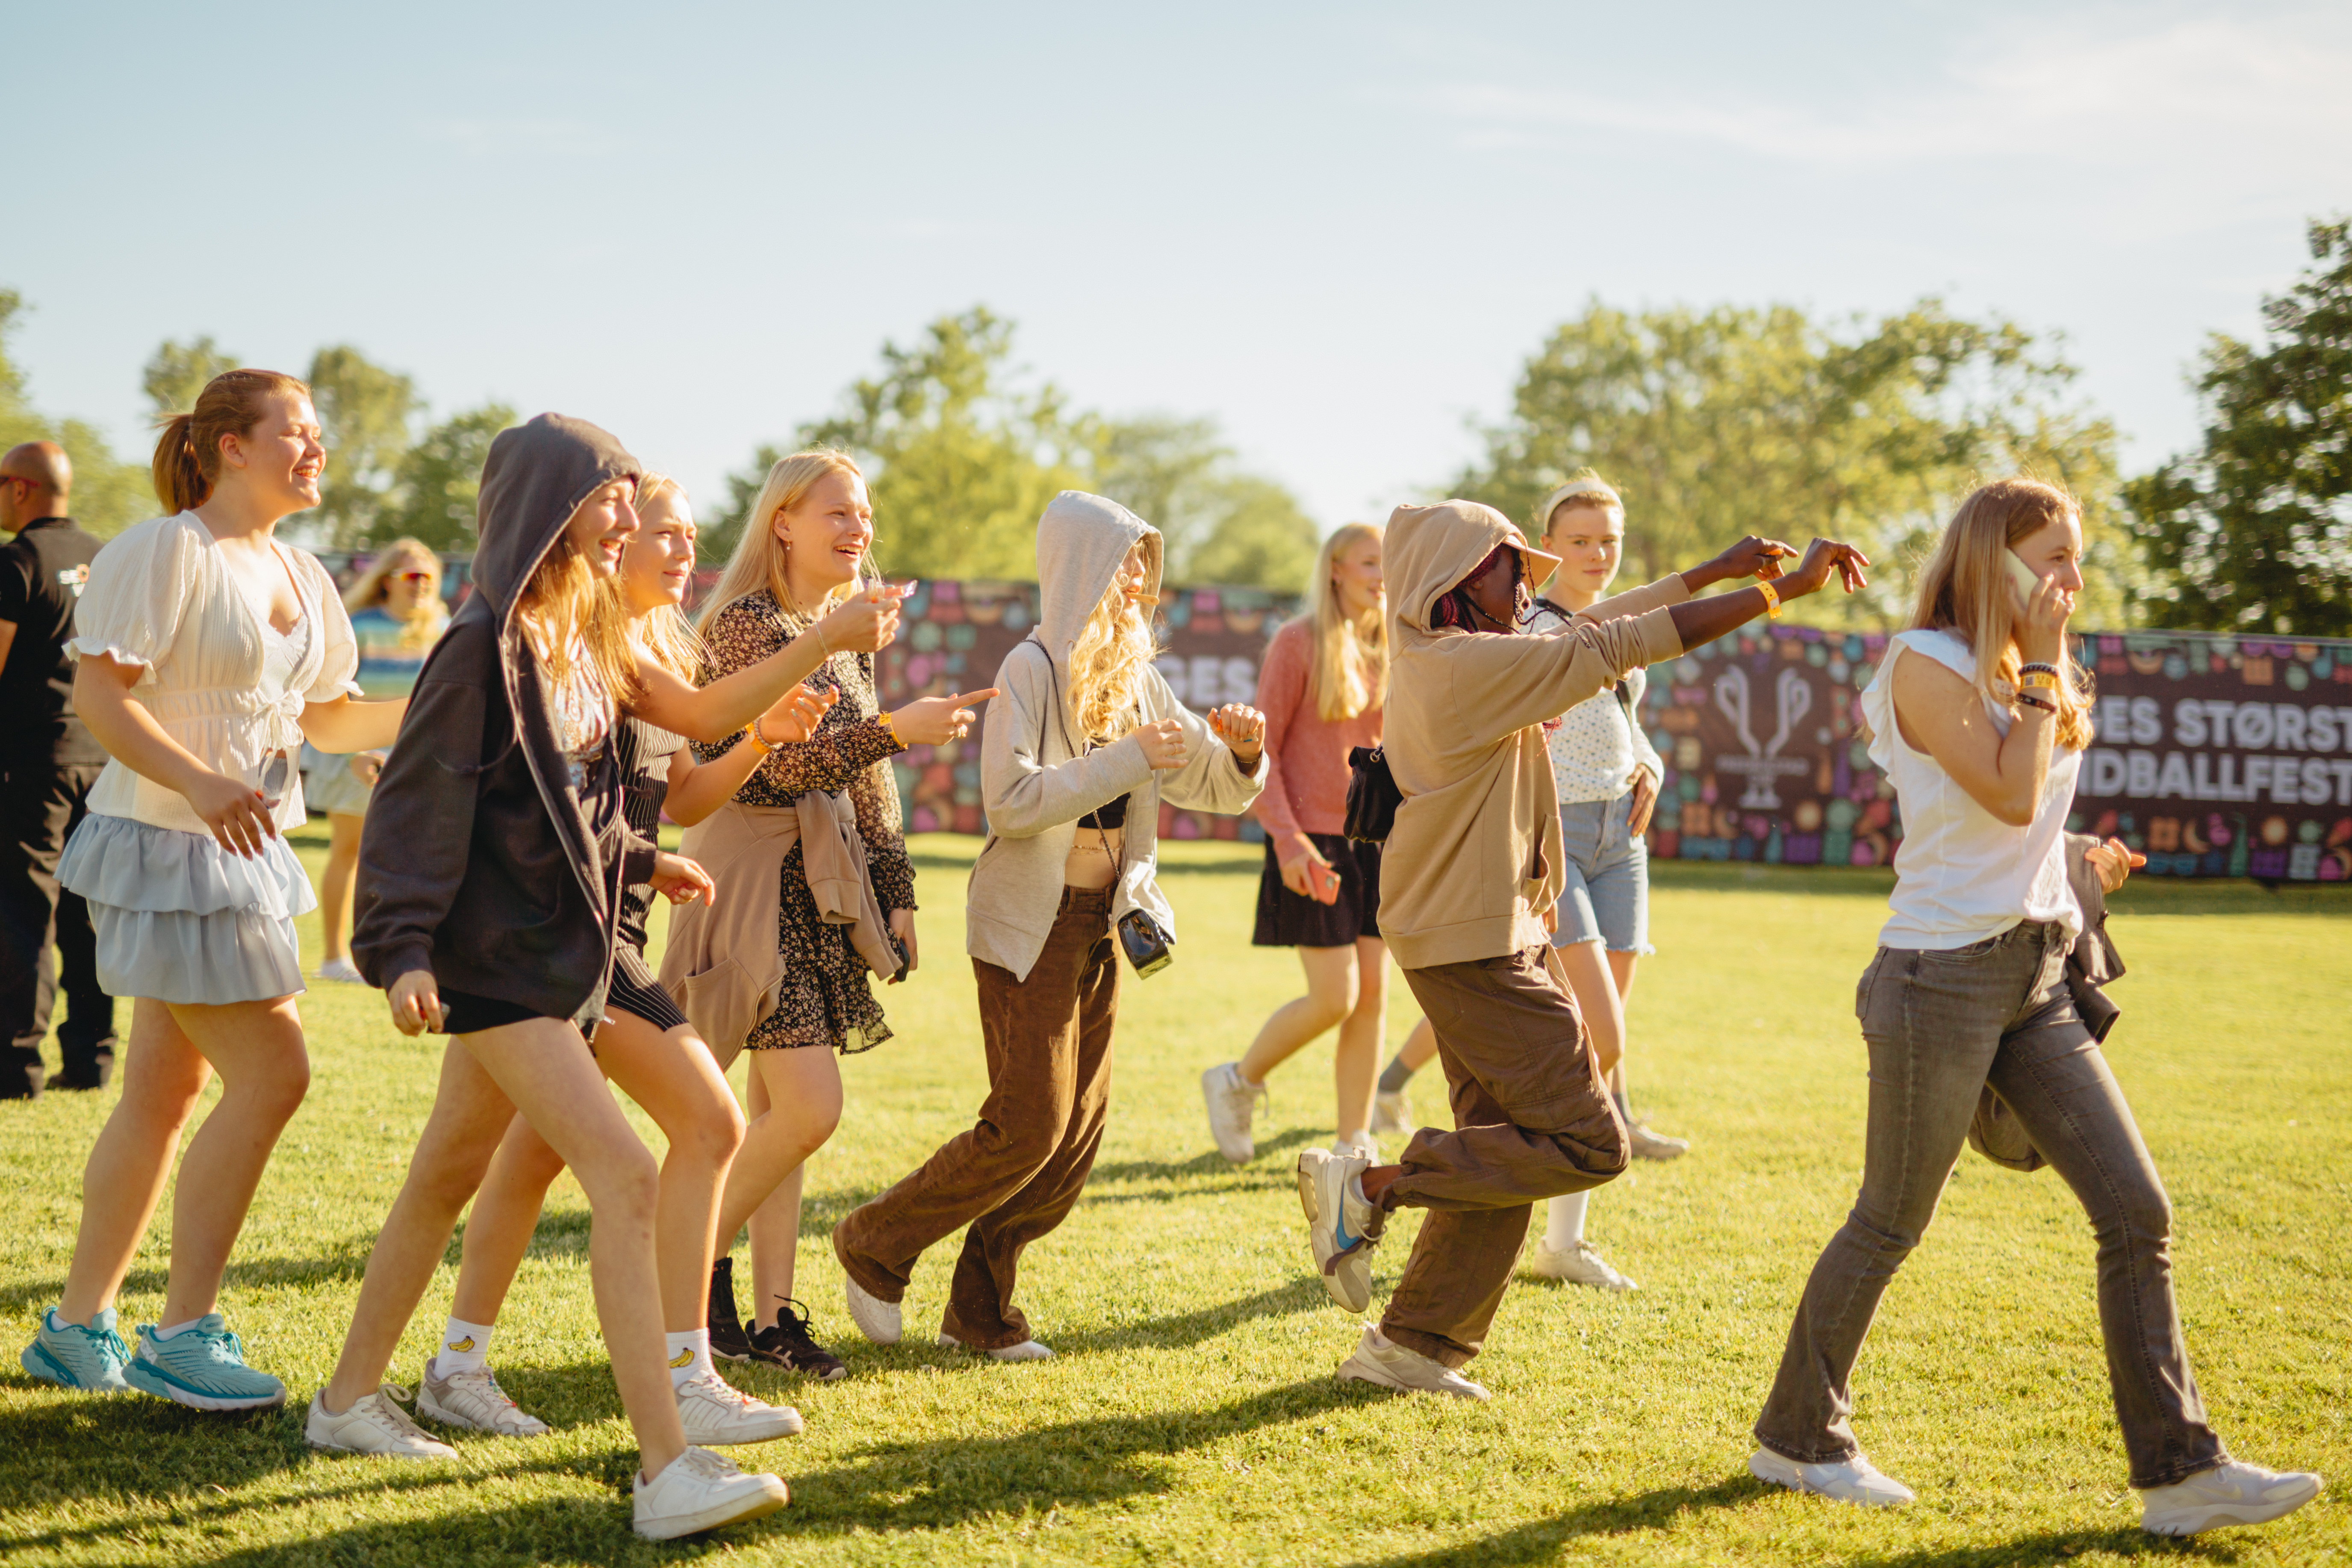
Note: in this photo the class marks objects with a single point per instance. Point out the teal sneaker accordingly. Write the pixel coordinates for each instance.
(203, 1367)
(71, 1356)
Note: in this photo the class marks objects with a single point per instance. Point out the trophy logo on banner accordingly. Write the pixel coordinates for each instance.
(1763, 765)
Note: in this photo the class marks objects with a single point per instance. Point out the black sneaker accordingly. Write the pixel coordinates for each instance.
(788, 1344)
(728, 1339)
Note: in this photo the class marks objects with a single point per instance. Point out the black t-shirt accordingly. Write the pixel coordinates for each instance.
(42, 571)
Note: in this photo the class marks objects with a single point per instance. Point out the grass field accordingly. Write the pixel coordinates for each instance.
(1191, 1417)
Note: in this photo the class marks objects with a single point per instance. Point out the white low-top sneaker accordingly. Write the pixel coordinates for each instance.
(1381, 1361)
(374, 1425)
(1646, 1142)
(1362, 1144)
(1392, 1114)
(1027, 1350)
(1855, 1480)
(878, 1319)
(714, 1412)
(474, 1399)
(1343, 1228)
(702, 1490)
(2230, 1493)
(1579, 1264)
(342, 969)
(1232, 1102)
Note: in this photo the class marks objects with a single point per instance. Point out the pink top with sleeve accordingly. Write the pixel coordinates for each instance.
(1306, 754)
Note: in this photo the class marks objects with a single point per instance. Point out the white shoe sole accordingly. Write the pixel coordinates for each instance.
(1210, 1087)
(1346, 1280)
(433, 1409)
(787, 1424)
(1362, 1368)
(2219, 1515)
(1774, 1470)
(882, 1323)
(734, 1510)
(327, 1445)
(194, 1401)
(1027, 1350)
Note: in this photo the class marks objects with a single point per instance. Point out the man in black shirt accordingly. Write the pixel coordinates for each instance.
(48, 763)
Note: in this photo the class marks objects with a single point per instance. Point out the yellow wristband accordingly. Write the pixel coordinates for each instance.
(896, 738)
(1771, 599)
(2037, 678)
(759, 741)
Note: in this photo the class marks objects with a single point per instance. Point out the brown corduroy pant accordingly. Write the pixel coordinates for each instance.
(1532, 1120)
(1014, 1176)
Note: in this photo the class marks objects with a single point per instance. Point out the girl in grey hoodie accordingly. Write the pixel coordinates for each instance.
(1080, 750)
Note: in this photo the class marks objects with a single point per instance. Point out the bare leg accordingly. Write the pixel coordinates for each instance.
(1356, 1063)
(1595, 989)
(1419, 1047)
(505, 1218)
(795, 1098)
(1331, 995)
(1621, 970)
(162, 1075)
(335, 884)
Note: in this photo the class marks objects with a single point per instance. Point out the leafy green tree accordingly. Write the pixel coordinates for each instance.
(1222, 526)
(1729, 421)
(2254, 530)
(720, 529)
(177, 371)
(437, 483)
(365, 411)
(108, 496)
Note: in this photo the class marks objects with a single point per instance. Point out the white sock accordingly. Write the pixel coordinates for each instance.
(465, 1347)
(1565, 1226)
(176, 1330)
(689, 1356)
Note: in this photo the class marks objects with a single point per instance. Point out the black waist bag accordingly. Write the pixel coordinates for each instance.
(1372, 795)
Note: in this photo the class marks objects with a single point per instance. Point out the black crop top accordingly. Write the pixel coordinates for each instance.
(1113, 814)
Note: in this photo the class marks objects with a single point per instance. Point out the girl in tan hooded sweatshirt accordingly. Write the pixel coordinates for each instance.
(1469, 876)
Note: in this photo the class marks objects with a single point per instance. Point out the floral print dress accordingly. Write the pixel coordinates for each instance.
(827, 998)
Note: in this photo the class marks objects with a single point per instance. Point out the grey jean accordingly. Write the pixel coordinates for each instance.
(1940, 1025)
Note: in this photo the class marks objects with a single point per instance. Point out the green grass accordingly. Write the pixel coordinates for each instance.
(1191, 1417)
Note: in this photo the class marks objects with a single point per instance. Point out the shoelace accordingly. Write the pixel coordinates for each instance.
(794, 1321)
(386, 1411)
(715, 1388)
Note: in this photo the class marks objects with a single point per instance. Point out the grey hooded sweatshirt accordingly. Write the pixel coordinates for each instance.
(1038, 780)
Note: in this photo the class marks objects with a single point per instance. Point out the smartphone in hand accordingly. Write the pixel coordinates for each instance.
(2027, 579)
(1322, 882)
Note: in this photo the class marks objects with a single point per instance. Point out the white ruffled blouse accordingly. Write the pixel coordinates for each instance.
(159, 596)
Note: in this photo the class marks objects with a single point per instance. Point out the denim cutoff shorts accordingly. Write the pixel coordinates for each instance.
(1607, 898)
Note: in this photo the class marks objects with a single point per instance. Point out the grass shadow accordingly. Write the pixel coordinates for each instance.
(1186, 1328)
(1209, 1163)
(343, 1266)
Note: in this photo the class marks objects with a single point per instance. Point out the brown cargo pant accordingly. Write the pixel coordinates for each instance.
(1532, 1120)
(1014, 1176)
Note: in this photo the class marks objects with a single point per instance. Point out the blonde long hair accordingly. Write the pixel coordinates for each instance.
(663, 636)
(558, 607)
(1964, 589)
(1107, 664)
(1349, 672)
(421, 629)
(760, 557)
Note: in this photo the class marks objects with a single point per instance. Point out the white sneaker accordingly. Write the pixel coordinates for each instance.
(1580, 1264)
(702, 1490)
(1343, 1228)
(1361, 1145)
(1645, 1142)
(342, 969)
(1231, 1099)
(714, 1412)
(1381, 1361)
(374, 1425)
(1855, 1480)
(878, 1319)
(1027, 1350)
(1392, 1114)
(474, 1399)
(2230, 1493)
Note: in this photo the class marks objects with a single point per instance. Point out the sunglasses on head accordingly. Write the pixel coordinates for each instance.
(411, 576)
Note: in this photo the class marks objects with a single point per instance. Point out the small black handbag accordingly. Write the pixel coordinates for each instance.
(1372, 795)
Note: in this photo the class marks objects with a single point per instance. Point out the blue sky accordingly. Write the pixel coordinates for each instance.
(1338, 229)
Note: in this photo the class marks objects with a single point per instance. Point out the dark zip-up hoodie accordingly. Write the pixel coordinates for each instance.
(480, 861)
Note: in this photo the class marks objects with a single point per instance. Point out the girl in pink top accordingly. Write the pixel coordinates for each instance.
(1320, 688)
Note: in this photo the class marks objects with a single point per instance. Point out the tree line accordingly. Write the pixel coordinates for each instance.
(1713, 423)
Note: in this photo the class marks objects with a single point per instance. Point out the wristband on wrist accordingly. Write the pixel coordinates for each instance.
(891, 727)
(2038, 680)
(1771, 599)
(2049, 669)
(758, 737)
(818, 628)
(2028, 701)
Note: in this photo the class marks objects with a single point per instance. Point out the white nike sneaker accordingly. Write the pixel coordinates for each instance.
(342, 969)
(1027, 1350)
(474, 1399)
(702, 1490)
(1392, 1114)
(715, 1413)
(1231, 1097)
(1381, 1361)
(2230, 1493)
(1854, 1480)
(374, 1425)
(1580, 1264)
(1342, 1227)
(878, 1319)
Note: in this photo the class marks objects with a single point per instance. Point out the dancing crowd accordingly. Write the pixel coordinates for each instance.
(1446, 756)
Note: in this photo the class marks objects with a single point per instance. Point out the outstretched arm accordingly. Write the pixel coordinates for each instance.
(864, 624)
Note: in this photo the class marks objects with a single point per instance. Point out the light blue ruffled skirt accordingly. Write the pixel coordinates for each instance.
(180, 919)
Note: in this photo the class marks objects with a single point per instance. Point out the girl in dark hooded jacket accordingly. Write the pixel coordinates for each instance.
(492, 866)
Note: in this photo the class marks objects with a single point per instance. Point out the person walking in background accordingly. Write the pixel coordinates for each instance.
(396, 614)
(1979, 717)
(1320, 689)
(208, 652)
(815, 891)
(1469, 878)
(49, 760)
(1087, 743)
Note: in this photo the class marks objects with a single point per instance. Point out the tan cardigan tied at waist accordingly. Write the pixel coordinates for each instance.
(721, 966)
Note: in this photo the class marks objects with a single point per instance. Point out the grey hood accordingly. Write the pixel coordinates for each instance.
(1081, 541)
